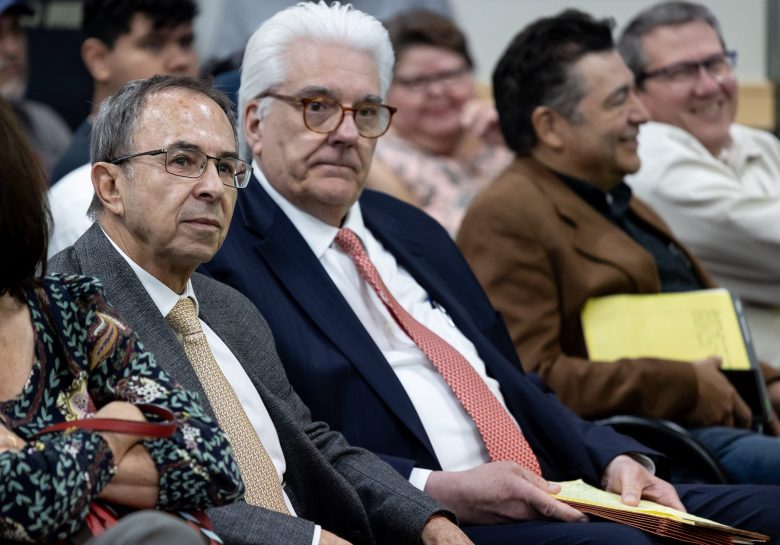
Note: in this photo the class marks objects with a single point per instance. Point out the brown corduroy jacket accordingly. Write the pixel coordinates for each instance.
(541, 252)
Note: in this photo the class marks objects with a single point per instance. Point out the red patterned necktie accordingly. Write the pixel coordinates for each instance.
(503, 438)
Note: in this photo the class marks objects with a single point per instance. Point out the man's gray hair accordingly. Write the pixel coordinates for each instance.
(113, 131)
(663, 14)
(266, 54)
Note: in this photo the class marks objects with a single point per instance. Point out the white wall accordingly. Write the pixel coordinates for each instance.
(491, 24)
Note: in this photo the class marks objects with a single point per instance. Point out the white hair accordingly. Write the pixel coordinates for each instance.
(264, 65)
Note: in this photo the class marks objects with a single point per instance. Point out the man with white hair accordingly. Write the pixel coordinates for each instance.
(381, 325)
(166, 174)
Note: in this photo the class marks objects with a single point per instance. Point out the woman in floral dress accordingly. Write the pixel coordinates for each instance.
(66, 354)
(444, 144)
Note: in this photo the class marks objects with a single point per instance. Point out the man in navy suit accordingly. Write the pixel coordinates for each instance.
(310, 105)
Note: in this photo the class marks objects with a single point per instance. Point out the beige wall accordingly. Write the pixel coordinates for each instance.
(491, 24)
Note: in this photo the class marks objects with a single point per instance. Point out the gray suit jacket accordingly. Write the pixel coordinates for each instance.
(347, 490)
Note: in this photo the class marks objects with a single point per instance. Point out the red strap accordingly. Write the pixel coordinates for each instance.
(166, 428)
(100, 518)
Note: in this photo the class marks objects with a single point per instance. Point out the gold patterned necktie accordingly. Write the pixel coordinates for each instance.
(502, 437)
(257, 469)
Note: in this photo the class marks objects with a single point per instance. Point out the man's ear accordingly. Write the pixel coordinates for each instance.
(108, 181)
(95, 55)
(548, 125)
(252, 127)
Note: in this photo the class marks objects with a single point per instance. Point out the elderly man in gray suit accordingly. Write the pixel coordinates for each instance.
(166, 172)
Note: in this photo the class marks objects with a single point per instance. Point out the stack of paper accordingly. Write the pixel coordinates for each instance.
(653, 517)
(686, 326)
(683, 326)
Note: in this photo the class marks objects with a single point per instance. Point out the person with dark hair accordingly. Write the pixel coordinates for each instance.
(46, 131)
(383, 328)
(444, 144)
(67, 355)
(716, 182)
(560, 226)
(125, 40)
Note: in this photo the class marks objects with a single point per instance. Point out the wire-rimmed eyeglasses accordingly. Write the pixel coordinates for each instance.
(324, 114)
(191, 163)
(447, 78)
(717, 66)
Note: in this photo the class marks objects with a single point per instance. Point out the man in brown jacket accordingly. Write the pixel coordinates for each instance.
(559, 226)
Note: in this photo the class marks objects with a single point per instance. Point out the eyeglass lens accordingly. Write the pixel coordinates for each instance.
(191, 163)
(420, 83)
(325, 115)
(717, 66)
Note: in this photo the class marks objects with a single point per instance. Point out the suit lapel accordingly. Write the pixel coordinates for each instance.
(282, 247)
(98, 257)
(593, 235)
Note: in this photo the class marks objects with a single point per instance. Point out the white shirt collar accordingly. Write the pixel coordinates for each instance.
(739, 151)
(163, 296)
(317, 234)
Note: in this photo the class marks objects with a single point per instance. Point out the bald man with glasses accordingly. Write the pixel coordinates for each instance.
(715, 182)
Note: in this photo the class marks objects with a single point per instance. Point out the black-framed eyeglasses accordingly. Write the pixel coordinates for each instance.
(717, 66)
(324, 114)
(421, 83)
(191, 163)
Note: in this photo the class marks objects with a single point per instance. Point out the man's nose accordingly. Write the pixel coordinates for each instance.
(638, 113)
(347, 130)
(705, 82)
(210, 185)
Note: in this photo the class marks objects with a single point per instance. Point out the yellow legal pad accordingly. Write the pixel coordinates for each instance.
(652, 517)
(684, 326)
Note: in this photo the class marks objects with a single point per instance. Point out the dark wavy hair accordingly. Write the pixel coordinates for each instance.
(535, 70)
(24, 210)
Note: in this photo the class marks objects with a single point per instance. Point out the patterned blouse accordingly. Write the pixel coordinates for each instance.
(443, 186)
(86, 357)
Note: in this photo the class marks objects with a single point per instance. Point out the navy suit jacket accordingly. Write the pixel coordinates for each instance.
(342, 375)
(346, 490)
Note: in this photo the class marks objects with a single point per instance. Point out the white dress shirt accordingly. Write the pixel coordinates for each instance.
(452, 432)
(165, 299)
(726, 209)
(69, 201)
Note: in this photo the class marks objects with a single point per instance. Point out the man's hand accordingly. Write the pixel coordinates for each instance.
(717, 402)
(633, 482)
(328, 538)
(439, 530)
(498, 492)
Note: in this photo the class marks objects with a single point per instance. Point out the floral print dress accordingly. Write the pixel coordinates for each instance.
(441, 185)
(86, 357)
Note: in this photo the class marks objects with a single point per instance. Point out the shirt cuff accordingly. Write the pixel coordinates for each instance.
(419, 477)
(643, 460)
(315, 540)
